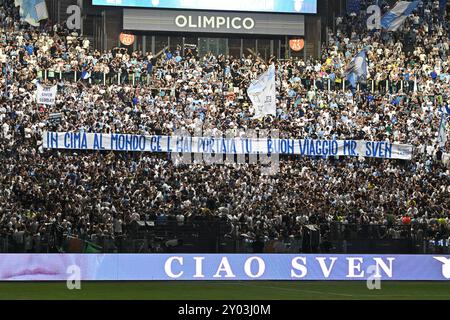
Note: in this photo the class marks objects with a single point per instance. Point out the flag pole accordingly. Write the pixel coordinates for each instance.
(257, 57)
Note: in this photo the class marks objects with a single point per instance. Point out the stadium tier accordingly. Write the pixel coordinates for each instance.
(106, 146)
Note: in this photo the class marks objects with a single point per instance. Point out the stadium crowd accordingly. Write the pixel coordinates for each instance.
(95, 195)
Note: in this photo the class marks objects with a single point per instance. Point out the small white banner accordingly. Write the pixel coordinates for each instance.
(46, 95)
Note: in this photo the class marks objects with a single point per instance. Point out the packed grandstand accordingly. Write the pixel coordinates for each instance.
(94, 195)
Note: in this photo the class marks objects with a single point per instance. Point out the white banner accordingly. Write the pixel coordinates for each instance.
(46, 95)
(214, 145)
(262, 93)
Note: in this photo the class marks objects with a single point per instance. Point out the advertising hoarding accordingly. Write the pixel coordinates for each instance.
(295, 267)
(269, 6)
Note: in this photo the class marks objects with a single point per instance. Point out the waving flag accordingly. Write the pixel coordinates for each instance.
(85, 75)
(262, 93)
(357, 69)
(442, 136)
(32, 11)
(395, 18)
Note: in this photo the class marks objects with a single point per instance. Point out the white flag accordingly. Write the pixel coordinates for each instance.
(442, 137)
(46, 95)
(41, 11)
(262, 93)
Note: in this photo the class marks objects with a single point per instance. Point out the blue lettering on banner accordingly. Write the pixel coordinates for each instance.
(188, 145)
(142, 143)
(184, 145)
(334, 148)
(206, 145)
(212, 148)
(158, 144)
(312, 150)
(208, 148)
(128, 143)
(269, 146)
(67, 141)
(200, 145)
(97, 143)
(306, 147)
(154, 144)
(179, 144)
(83, 142)
(122, 142)
(117, 142)
(101, 142)
(233, 146)
(222, 146)
(325, 148)
(113, 142)
(350, 148)
(249, 146)
(228, 146)
(75, 140)
(52, 138)
(169, 149)
(283, 146)
(379, 150)
(303, 146)
(319, 147)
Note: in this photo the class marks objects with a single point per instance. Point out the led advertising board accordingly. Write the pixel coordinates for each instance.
(266, 6)
(293, 267)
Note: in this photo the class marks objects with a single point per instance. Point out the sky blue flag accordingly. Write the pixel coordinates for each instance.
(32, 11)
(353, 79)
(357, 69)
(395, 18)
(85, 75)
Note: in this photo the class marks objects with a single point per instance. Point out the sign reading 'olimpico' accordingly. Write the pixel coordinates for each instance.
(213, 22)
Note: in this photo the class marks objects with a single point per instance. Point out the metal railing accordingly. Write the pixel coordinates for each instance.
(144, 78)
(216, 237)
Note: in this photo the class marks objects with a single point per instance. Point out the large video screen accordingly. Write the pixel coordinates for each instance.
(271, 6)
(131, 267)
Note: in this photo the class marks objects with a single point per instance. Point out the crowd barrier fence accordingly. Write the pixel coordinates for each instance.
(322, 84)
(218, 237)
